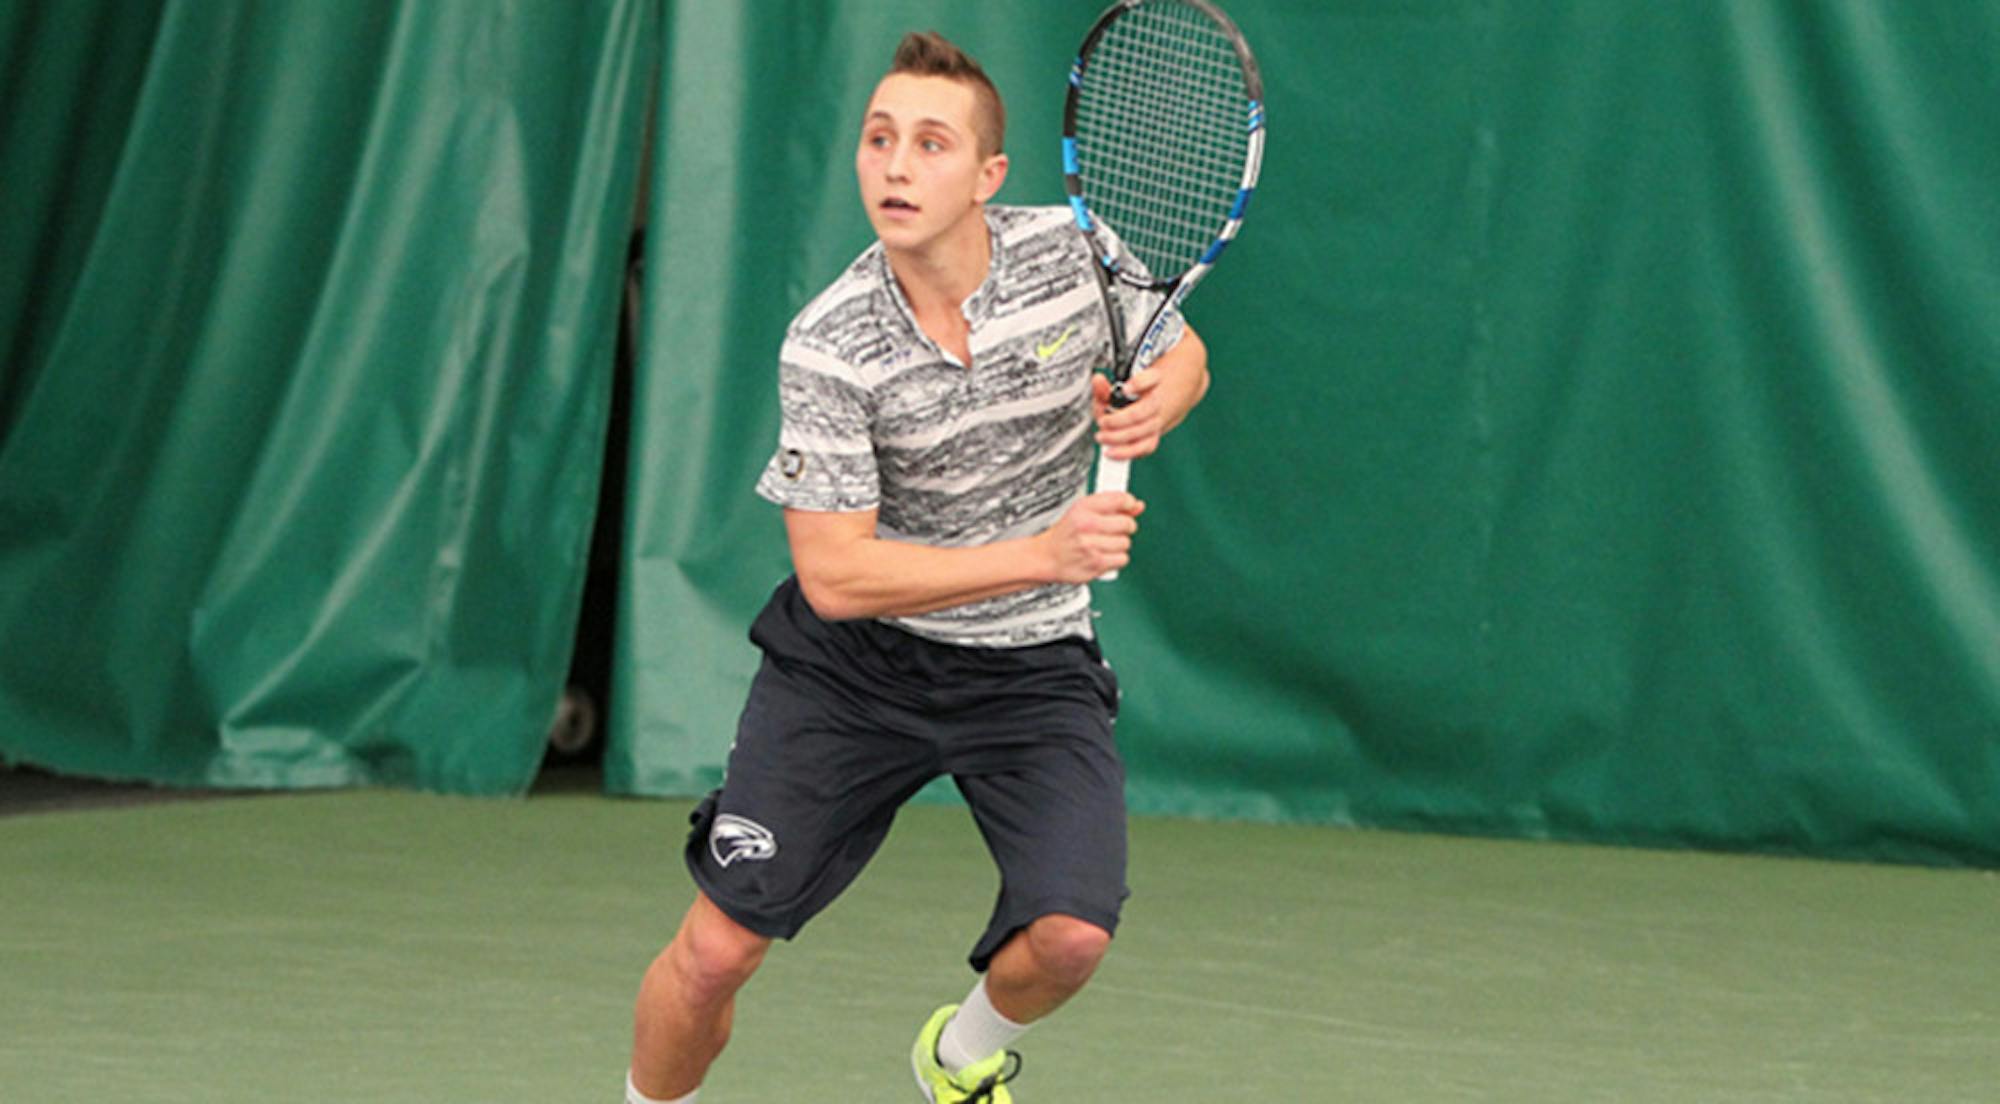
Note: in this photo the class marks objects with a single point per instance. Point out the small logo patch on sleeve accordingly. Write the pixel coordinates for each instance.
(791, 463)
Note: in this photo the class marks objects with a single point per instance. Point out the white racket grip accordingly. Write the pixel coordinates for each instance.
(1112, 475)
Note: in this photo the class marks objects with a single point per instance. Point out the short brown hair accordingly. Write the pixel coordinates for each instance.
(930, 54)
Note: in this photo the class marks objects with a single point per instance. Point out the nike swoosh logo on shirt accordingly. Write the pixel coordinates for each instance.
(1050, 349)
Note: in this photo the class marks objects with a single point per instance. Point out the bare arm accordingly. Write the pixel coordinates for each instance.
(847, 572)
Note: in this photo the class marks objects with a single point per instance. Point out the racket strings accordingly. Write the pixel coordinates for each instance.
(1162, 133)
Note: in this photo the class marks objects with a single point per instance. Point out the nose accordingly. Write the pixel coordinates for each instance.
(899, 162)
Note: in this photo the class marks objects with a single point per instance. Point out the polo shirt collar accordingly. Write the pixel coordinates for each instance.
(978, 306)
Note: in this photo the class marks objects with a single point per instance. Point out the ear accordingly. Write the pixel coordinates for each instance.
(992, 174)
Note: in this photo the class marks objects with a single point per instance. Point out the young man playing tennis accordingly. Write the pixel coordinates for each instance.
(938, 408)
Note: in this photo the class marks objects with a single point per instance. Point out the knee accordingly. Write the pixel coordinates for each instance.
(1068, 949)
(713, 956)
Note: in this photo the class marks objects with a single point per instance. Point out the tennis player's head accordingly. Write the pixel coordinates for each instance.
(931, 150)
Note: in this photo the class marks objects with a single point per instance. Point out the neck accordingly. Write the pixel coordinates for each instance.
(945, 272)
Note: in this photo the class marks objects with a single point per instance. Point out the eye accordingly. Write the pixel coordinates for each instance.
(932, 145)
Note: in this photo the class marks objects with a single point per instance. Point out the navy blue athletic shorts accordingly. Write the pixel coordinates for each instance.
(846, 720)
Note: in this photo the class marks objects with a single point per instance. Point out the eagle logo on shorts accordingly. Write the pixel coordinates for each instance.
(735, 839)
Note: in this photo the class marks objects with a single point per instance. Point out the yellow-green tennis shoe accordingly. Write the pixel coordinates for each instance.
(980, 1083)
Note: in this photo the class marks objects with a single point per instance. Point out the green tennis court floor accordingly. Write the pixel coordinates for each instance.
(396, 947)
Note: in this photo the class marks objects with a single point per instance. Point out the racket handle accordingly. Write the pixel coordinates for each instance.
(1112, 475)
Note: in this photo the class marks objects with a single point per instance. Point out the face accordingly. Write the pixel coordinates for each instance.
(919, 164)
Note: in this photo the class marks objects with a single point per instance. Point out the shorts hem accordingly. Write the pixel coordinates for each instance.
(997, 937)
(758, 923)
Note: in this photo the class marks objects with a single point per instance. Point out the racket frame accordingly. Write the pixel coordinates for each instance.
(1114, 475)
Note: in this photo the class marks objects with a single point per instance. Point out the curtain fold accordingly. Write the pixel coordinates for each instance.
(299, 473)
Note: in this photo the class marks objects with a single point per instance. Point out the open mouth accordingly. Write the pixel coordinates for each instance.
(897, 203)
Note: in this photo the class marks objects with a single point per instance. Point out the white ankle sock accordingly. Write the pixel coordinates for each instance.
(634, 1096)
(976, 1032)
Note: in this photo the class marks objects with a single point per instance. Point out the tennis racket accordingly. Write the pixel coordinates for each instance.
(1163, 133)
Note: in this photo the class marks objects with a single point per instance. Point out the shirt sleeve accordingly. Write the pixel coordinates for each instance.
(825, 460)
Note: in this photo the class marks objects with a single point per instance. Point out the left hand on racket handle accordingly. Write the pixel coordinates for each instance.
(1128, 425)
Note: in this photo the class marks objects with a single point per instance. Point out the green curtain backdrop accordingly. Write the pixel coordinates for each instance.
(1601, 447)
(1603, 437)
(308, 311)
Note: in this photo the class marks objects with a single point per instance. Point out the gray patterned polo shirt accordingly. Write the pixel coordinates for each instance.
(877, 417)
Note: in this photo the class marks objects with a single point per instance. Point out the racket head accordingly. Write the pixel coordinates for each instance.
(1163, 129)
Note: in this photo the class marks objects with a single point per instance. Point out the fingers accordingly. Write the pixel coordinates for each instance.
(1096, 535)
(1134, 430)
(1106, 528)
(1141, 383)
(1114, 502)
(1135, 387)
(1097, 553)
(1109, 520)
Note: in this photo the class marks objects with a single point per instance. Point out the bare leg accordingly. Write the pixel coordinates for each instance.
(688, 1000)
(1044, 965)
